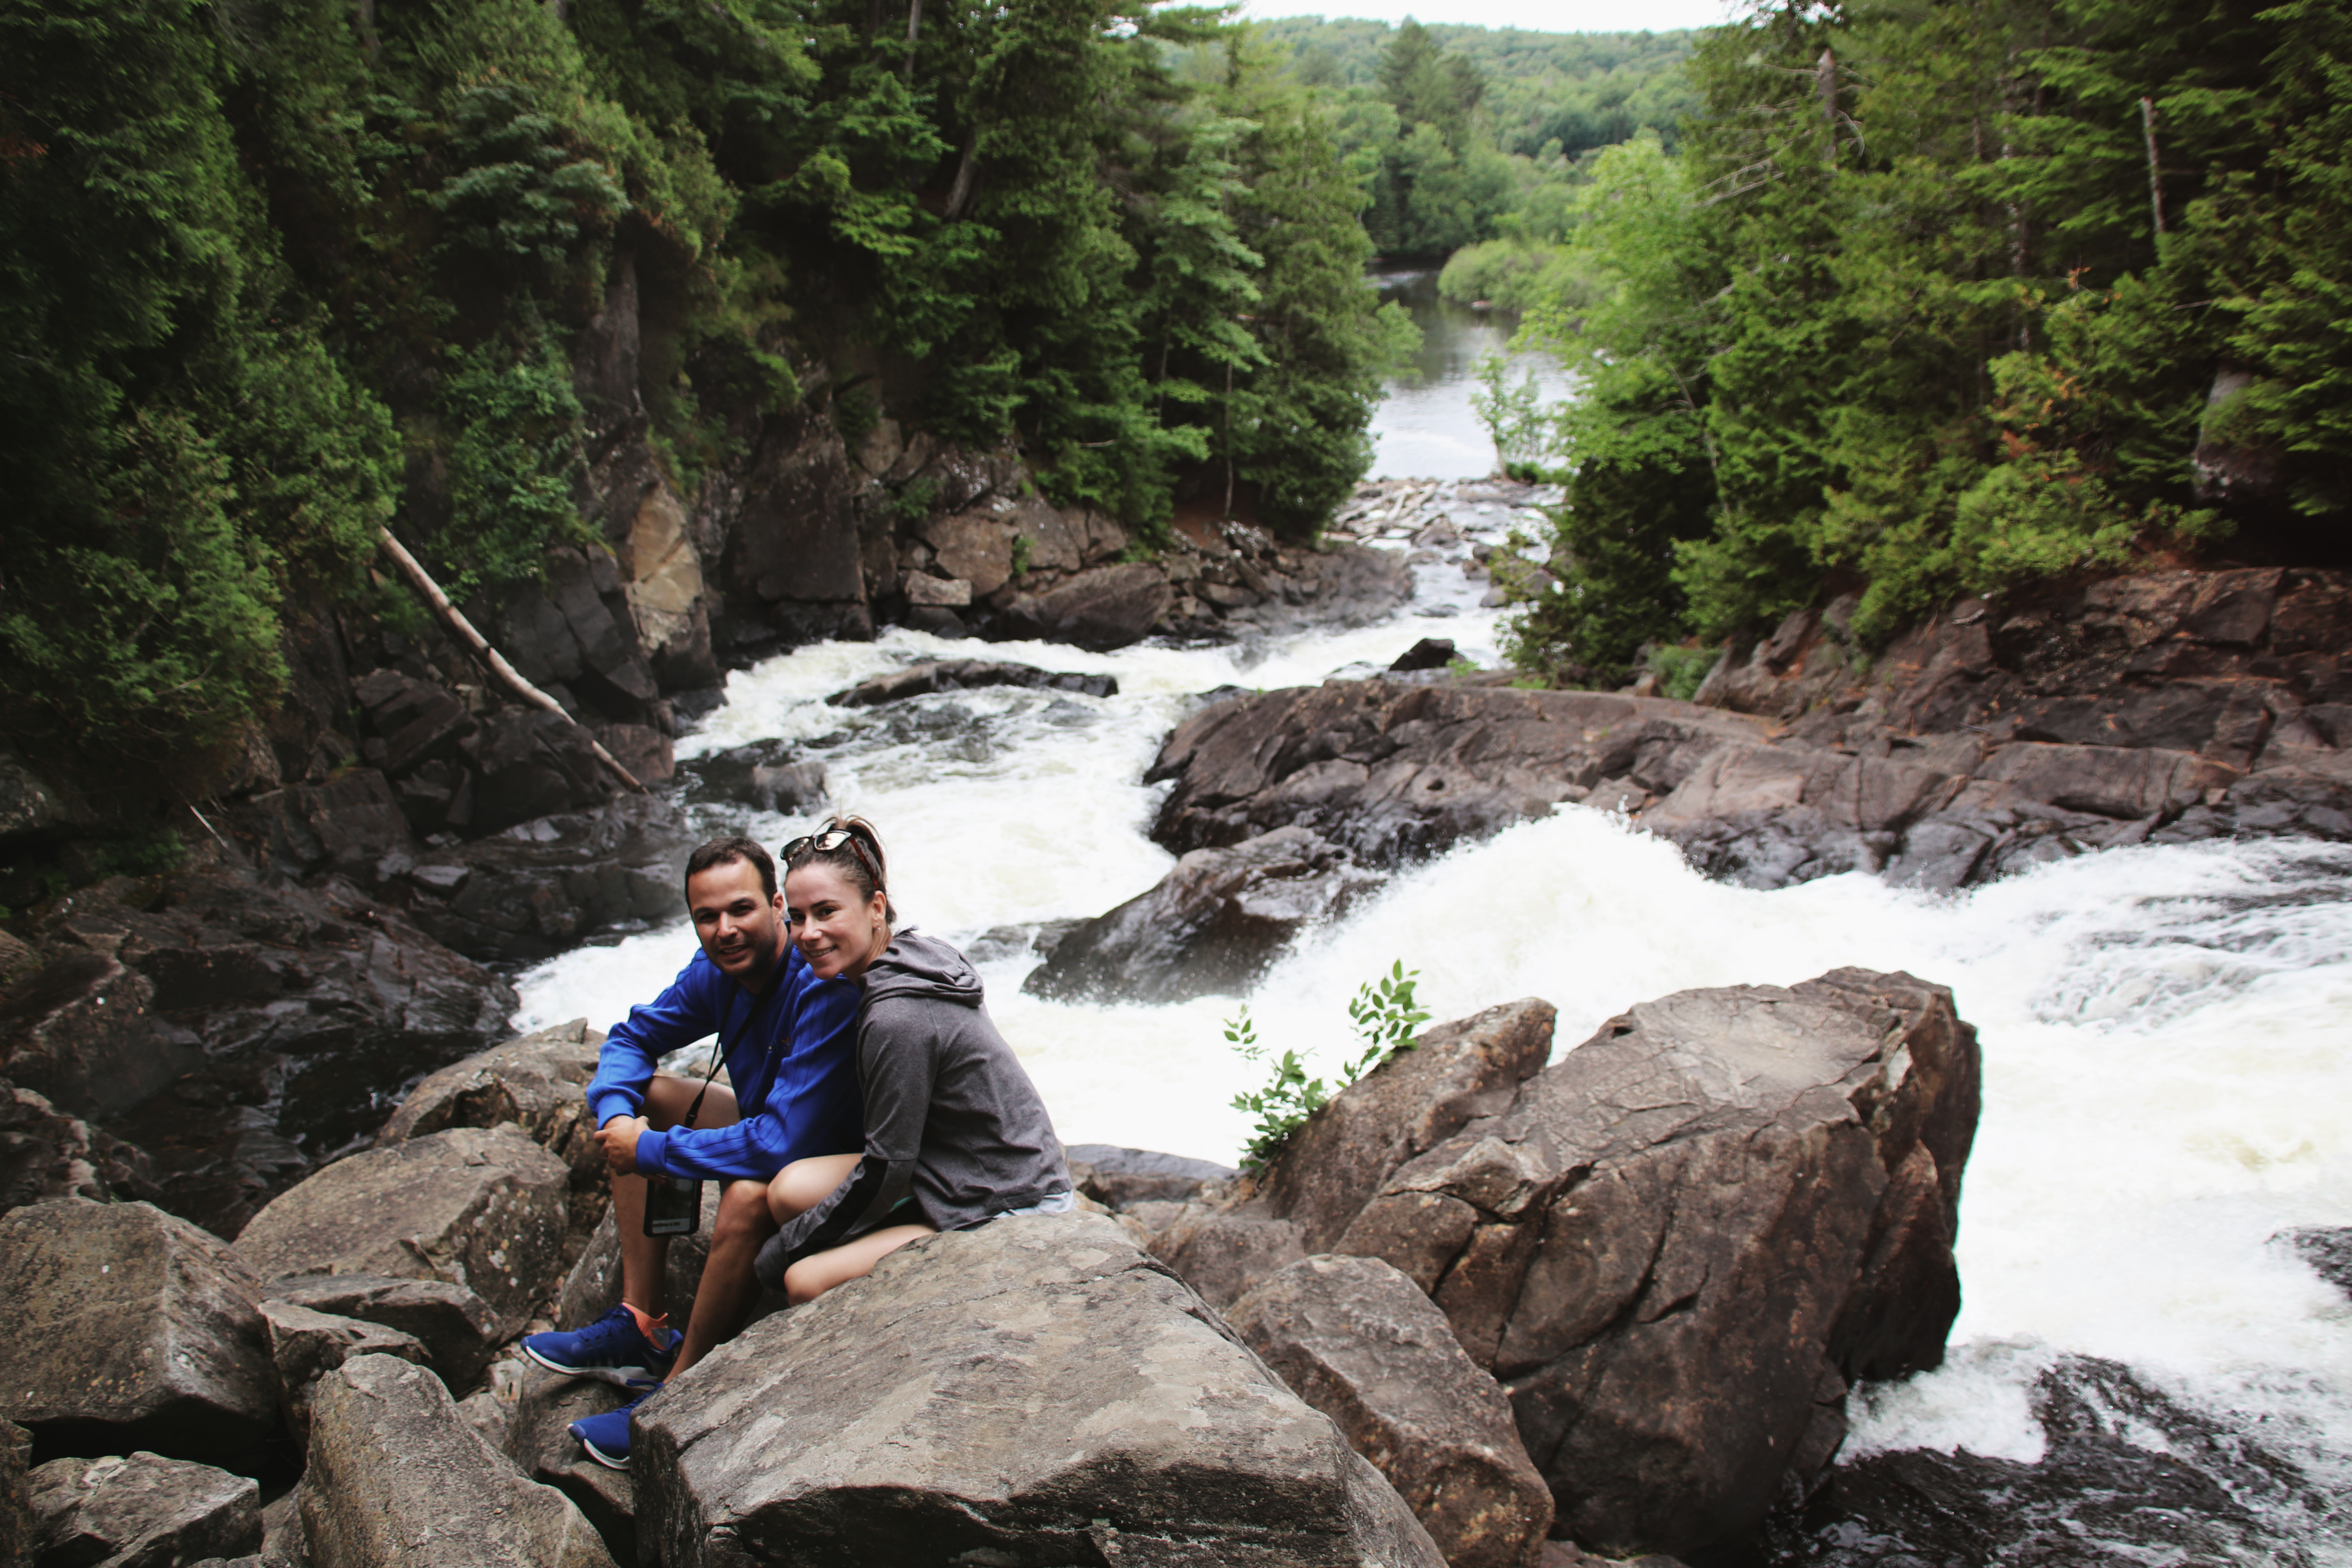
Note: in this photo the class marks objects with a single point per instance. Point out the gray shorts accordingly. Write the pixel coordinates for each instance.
(1052, 1202)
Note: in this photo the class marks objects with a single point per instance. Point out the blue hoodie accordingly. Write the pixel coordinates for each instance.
(791, 1055)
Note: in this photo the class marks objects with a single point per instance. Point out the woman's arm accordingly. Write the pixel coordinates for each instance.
(899, 1058)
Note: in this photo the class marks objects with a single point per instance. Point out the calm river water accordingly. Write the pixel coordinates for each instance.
(1424, 430)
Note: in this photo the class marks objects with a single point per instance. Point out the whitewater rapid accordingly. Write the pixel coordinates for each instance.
(2166, 1030)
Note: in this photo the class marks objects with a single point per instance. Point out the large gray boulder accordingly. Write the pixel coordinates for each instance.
(1358, 1341)
(16, 1497)
(1212, 926)
(142, 1510)
(539, 1439)
(306, 1346)
(1683, 1241)
(1033, 1392)
(482, 1207)
(537, 1083)
(396, 1475)
(130, 1328)
(1106, 607)
(457, 1330)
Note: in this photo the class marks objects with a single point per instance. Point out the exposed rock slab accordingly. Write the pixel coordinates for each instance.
(45, 1153)
(1211, 926)
(142, 1510)
(130, 1328)
(16, 1496)
(536, 1083)
(1116, 1176)
(537, 888)
(396, 1476)
(963, 675)
(456, 1329)
(1103, 608)
(481, 1207)
(1033, 1392)
(1222, 1252)
(539, 1441)
(1685, 1238)
(1358, 1341)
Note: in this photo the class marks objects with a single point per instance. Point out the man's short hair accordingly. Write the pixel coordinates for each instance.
(734, 847)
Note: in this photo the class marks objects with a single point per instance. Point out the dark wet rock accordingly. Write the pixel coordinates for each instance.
(1405, 1105)
(16, 1503)
(2329, 1250)
(305, 1345)
(483, 1208)
(1683, 1239)
(142, 1510)
(528, 763)
(1059, 1399)
(1358, 1341)
(2128, 1476)
(793, 559)
(45, 1153)
(456, 1329)
(346, 826)
(1101, 608)
(396, 1475)
(540, 887)
(1429, 653)
(1393, 770)
(1213, 925)
(1116, 1176)
(573, 632)
(765, 774)
(130, 1329)
(964, 674)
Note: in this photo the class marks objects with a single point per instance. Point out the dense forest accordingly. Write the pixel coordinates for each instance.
(1469, 136)
(281, 272)
(1937, 299)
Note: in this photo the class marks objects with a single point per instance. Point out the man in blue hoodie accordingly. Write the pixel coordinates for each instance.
(788, 1040)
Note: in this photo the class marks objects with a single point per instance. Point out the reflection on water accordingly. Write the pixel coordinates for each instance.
(1424, 428)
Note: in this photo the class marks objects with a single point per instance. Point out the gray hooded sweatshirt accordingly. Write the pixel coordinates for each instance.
(952, 1119)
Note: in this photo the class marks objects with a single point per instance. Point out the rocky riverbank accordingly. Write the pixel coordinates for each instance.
(1386, 1349)
(2166, 708)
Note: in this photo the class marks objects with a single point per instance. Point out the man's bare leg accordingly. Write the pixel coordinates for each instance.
(729, 1288)
(644, 1258)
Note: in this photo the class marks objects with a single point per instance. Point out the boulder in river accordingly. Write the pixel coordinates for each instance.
(963, 675)
(1116, 1176)
(1358, 1341)
(130, 1328)
(1103, 608)
(1034, 1391)
(1683, 1240)
(397, 1476)
(142, 1510)
(481, 1207)
(765, 774)
(1211, 926)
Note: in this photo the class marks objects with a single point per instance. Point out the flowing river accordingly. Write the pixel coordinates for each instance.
(2168, 1060)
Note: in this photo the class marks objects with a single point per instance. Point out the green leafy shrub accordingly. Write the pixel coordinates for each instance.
(1385, 1013)
(1681, 669)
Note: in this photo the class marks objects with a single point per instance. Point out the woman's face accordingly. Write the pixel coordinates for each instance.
(837, 931)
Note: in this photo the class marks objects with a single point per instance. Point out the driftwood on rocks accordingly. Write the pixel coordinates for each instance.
(130, 1328)
(1034, 1391)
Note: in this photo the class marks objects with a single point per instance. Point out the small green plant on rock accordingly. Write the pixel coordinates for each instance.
(1385, 1014)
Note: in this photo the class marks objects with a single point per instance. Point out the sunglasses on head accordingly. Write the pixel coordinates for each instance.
(825, 843)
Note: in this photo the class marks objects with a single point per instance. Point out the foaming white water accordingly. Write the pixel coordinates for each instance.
(2165, 1029)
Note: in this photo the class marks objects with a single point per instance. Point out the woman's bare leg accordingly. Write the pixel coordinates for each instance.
(812, 1275)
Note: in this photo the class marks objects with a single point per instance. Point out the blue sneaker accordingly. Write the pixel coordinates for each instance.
(606, 1436)
(612, 1348)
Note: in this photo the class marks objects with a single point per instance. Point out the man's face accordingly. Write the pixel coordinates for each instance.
(742, 927)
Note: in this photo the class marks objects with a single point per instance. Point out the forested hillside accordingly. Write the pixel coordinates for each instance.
(1469, 135)
(278, 272)
(1942, 299)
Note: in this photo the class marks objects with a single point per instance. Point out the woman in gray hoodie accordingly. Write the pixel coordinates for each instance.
(955, 1134)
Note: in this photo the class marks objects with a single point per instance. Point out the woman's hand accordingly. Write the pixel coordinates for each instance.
(618, 1139)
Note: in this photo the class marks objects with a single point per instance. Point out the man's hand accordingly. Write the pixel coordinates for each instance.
(619, 1137)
